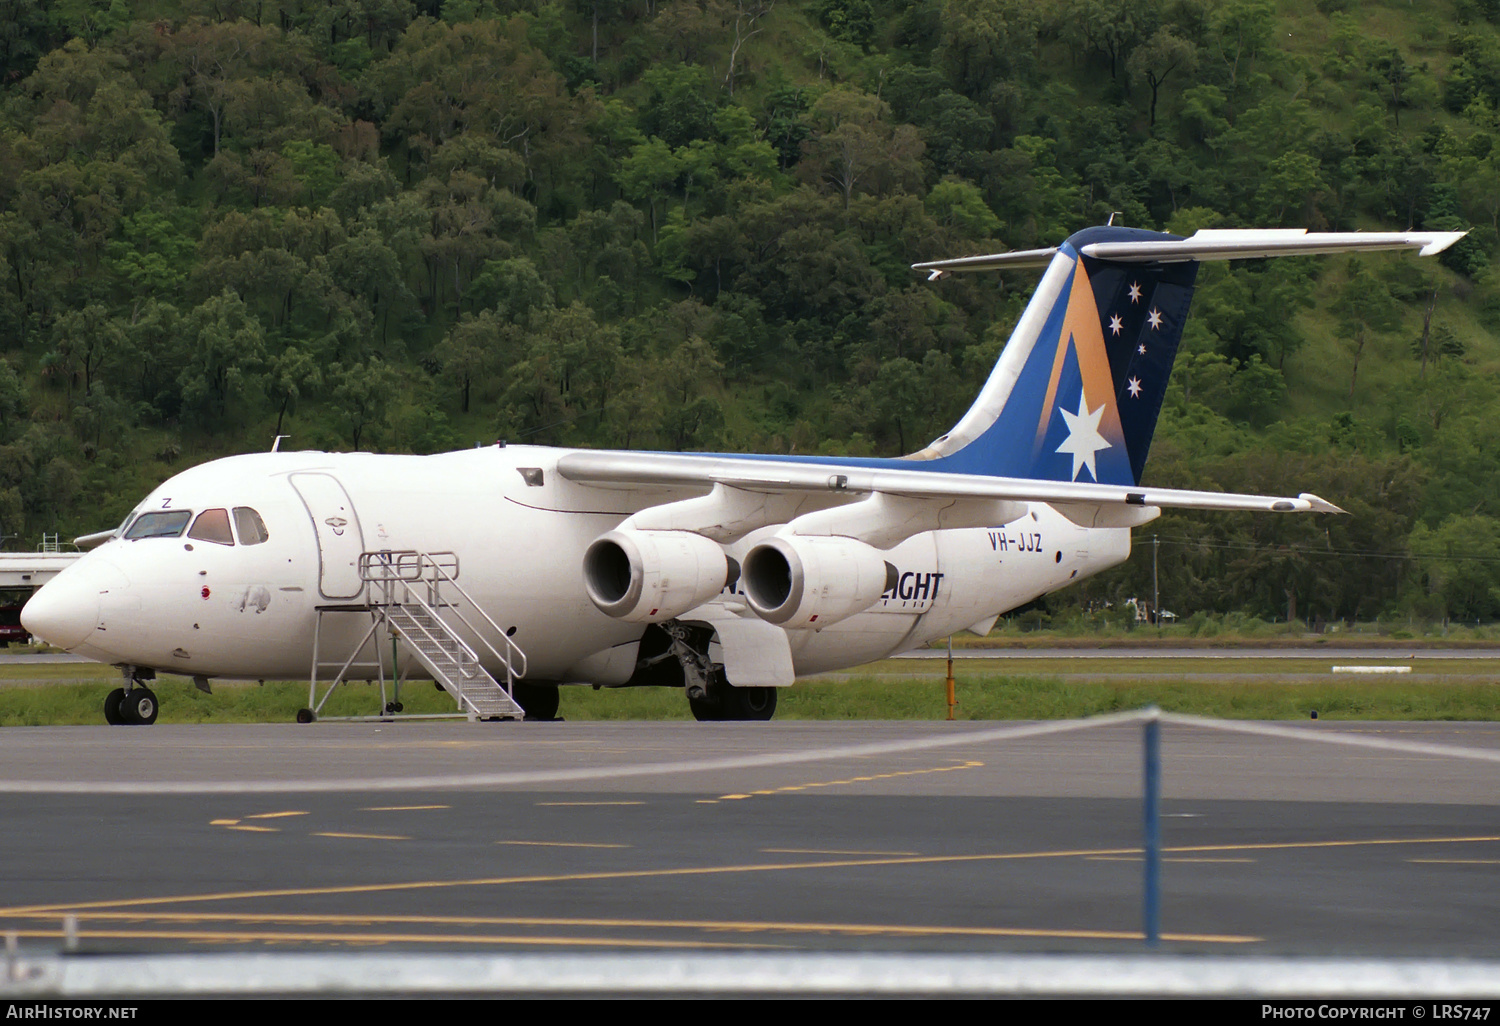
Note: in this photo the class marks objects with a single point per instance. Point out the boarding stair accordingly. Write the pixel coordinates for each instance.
(416, 597)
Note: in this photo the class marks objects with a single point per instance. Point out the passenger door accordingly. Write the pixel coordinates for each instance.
(340, 540)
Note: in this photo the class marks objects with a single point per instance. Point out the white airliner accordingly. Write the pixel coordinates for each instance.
(513, 569)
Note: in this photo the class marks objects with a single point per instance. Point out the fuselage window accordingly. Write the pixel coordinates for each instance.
(159, 525)
(212, 525)
(251, 528)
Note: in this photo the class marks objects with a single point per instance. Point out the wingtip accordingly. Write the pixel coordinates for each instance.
(1317, 505)
(1440, 241)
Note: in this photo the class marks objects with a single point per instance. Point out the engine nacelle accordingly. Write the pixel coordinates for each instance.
(651, 576)
(798, 581)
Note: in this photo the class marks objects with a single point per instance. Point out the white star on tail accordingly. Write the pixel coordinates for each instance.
(1154, 318)
(1084, 439)
(1135, 388)
(1135, 292)
(1115, 324)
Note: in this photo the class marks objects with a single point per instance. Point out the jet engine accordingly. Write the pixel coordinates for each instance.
(800, 581)
(651, 576)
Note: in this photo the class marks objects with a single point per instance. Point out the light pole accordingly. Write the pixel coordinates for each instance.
(1155, 588)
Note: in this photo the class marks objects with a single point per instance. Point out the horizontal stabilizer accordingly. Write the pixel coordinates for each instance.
(993, 262)
(1212, 244)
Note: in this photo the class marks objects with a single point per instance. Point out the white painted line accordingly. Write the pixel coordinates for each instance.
(121, 977)
(601, 773)
(1372, 669)
(694, 766)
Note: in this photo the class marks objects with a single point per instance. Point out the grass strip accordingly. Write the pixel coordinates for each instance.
(980, 697)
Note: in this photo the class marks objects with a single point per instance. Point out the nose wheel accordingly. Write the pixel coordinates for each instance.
(139, 707)
(133, 705)
(112, 707)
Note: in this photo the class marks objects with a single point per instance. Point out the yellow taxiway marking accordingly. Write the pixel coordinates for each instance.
(404, 808)
(1142, 858)
(563, 844)
(543, 805)
(276, 815)
(966, 764)
(255, 829)
(1460, 862)
(710, 925)
(368, 939)
(763, 867)
(363, 837)
(830, 851)
(222, 822)
(1331, 844)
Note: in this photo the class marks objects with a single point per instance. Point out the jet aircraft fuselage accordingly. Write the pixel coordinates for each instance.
(242, 603)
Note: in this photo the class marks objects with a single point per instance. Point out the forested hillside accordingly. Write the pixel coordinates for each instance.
(410, 226)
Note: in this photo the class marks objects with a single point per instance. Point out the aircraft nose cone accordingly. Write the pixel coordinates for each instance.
(65, 611)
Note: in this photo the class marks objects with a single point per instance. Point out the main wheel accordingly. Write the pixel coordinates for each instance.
(540, 701)
(306, 716)
(748, 703)
(706, 709)
(112, 714)
(139, 707)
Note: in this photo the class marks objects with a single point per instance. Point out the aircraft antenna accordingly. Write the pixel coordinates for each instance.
(276, 445)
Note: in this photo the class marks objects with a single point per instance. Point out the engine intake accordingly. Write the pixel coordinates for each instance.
(651, 576)
(796, 581)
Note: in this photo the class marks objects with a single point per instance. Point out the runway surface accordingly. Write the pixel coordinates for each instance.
(1273, 845)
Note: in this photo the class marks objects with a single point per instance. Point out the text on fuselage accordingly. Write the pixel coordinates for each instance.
(1022, 542)
(912, 591)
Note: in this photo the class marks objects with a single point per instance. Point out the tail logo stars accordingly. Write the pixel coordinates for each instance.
(1084, 441)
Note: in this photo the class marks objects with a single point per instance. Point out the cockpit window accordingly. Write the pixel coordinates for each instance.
(159, 525)
(251, 528)
(212, 525)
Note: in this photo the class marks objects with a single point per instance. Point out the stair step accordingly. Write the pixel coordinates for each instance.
(450, 662)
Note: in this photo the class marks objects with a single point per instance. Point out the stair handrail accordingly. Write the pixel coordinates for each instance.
(513, 652)
(406, 567)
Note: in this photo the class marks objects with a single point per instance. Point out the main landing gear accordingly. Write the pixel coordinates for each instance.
(709, 693)
(540, 701)
(722, 701)
(134, 704)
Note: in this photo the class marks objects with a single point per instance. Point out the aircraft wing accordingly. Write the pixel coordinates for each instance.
(950, 500)
(641, 470)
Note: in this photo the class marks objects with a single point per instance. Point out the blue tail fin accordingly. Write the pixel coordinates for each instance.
(1076, 393)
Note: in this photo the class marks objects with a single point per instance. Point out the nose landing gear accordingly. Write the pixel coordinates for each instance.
(134, 704)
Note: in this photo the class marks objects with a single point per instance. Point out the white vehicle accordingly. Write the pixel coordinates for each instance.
(509, 570)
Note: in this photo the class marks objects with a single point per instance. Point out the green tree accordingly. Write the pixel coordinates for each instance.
(565, 374)
(361, 393)
(293, 372)
(1459, 561)
(226, 349)
(474, 349)
(1159, 57)
(83, 340)
(648, 176)
(853, 146)
(1364, 307)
